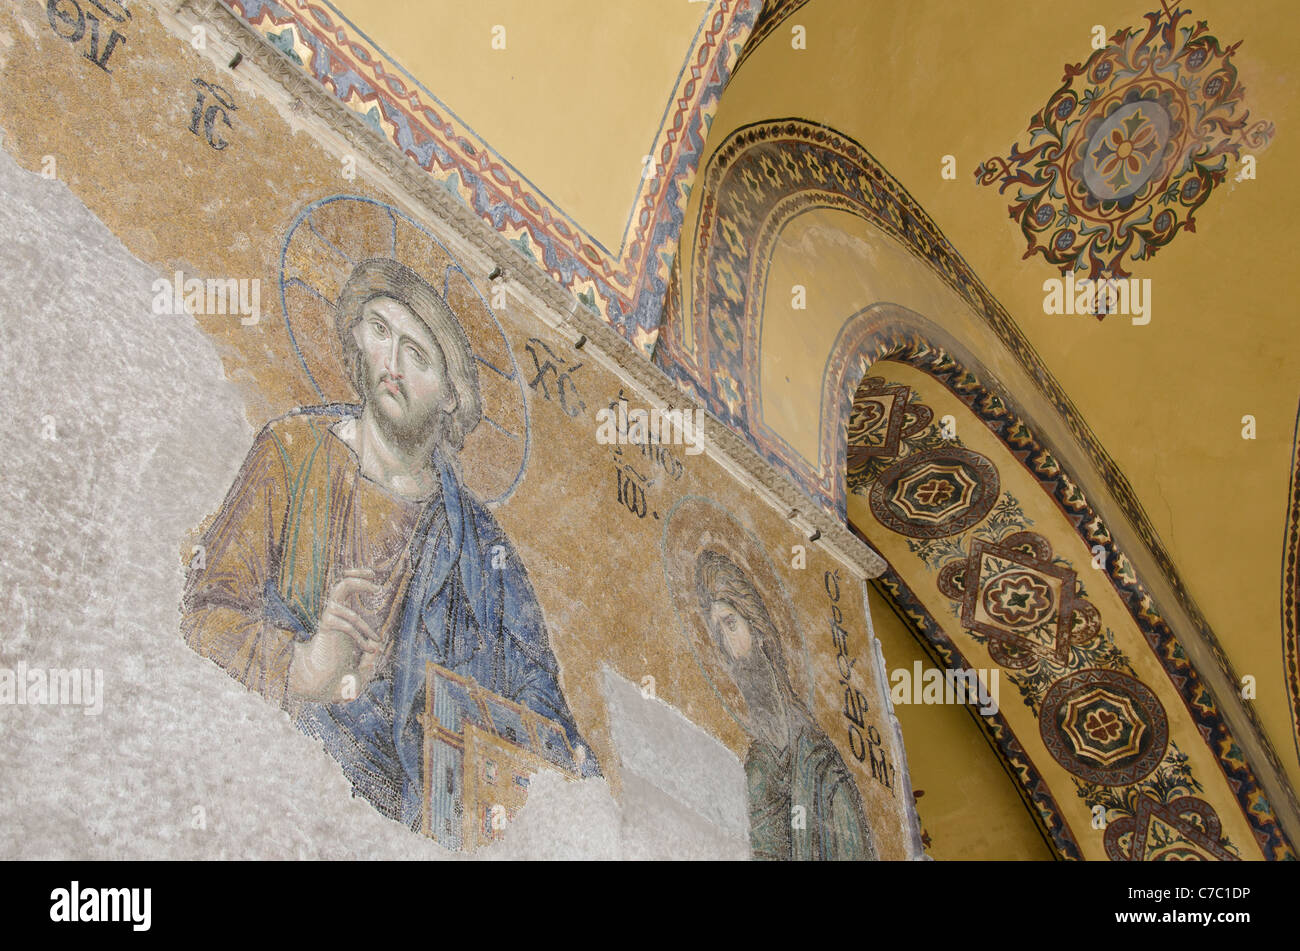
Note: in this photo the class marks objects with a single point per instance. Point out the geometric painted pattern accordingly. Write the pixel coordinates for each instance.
(1015, 595)
(883, 416)
(1128, 148)
(935, 493)
(758, 179)
(1104, 726)
(1187, 830)
(1045, 810)
(1291, 593)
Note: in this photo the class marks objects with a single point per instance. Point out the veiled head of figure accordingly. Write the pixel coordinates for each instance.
(733, 610)
(409, 358)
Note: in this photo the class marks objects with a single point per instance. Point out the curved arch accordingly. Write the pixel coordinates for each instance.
(1291, 593)
(881, 331)
(876, 342)
(757, 180)
(761, 178)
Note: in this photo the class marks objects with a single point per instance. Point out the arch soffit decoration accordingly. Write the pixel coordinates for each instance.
(1111, 657)
(761, 177)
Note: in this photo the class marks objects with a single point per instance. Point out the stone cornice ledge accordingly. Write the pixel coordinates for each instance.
(728, 449)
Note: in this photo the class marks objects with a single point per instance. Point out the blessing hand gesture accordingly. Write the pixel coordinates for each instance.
(326, 667)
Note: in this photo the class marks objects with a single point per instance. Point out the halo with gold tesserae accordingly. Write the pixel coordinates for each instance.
(326, 240)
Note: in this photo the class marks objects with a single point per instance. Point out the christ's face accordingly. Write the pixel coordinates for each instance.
(405, 373)
(731, 628)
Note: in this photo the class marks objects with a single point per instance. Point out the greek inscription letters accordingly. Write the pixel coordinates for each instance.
(69, 21)
(218, 110)
(554, 369)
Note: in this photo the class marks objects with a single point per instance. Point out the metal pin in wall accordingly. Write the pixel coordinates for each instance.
(238, 58)
(581, 342)
(817, 533)
(496, 272)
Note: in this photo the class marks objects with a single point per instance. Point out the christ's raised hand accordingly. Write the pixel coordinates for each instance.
(325, 668)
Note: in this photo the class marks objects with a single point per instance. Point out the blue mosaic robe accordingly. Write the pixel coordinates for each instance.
(468, 607)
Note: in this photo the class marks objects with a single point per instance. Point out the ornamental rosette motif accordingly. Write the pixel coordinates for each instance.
(1129, 147)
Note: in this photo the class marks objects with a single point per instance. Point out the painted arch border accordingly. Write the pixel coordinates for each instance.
(625, 286)
(711, 350)
(1291, 594)
(848, 178)
(996, 411)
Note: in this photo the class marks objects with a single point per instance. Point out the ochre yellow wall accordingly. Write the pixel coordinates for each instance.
(574, 100)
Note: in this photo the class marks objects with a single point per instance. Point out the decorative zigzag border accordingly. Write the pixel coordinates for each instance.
(626, 287)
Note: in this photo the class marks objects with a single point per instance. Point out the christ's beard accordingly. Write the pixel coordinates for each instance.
(408, 430)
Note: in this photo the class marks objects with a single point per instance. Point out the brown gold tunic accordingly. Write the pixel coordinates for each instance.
(299, 515)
